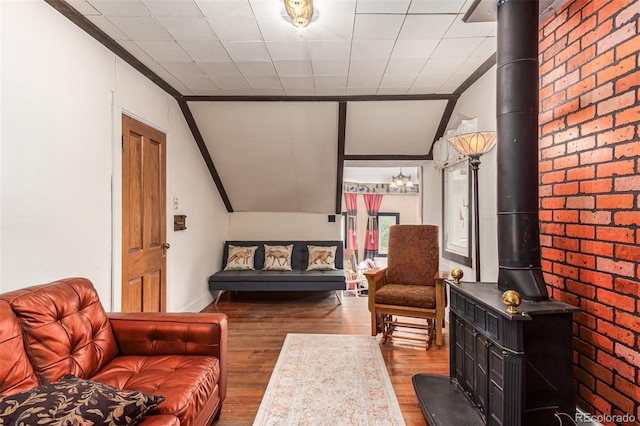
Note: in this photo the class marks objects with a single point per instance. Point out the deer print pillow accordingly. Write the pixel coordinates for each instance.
(240, 258)
(322, 258)
(277, 258)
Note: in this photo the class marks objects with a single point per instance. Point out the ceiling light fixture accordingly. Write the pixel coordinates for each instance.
(300, 12)
(401, 181)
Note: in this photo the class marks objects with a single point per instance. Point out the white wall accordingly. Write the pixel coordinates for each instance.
(480, 101)
(283, 226)
(62, 98)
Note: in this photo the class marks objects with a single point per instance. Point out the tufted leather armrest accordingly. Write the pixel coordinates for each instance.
(152, 333)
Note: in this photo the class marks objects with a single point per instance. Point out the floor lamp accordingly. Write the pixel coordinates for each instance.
(474, 145)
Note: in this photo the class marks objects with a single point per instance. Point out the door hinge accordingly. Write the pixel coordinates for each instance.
(123, 142)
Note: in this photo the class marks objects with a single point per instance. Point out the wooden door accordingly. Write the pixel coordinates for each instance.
(143, 217)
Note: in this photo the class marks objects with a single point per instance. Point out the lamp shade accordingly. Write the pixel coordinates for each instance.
(474, 143)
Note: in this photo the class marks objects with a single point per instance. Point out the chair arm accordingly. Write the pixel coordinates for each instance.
(376, 278)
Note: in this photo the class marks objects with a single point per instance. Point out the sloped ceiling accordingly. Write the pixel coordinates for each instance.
(276, 113)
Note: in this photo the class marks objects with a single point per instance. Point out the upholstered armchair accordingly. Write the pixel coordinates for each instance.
(411, 284)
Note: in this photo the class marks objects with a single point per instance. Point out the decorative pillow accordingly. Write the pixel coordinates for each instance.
(240, 258)
(322, 258)
(277, 258)
(74, 401)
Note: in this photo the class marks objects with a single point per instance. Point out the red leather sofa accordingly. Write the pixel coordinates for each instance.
(52, 330)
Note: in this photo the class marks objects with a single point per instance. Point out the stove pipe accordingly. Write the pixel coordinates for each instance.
(517, 122)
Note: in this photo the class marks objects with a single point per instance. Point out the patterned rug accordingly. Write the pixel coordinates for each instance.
(329, 380)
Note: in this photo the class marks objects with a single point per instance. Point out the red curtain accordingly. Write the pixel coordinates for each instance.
(371, 244)
(352, 221)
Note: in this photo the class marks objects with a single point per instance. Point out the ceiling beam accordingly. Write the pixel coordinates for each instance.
(342, 131)
(386, 157)
(197, 136)
(479, 72)
(355, 98)
(442, 127)
(95, 32)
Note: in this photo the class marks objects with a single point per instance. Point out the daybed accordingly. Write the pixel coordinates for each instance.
(297, 279)
(64, 357)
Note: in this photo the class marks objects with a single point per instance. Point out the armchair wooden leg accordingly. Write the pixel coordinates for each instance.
(374, 324)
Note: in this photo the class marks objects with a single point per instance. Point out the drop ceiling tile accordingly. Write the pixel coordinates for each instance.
(239, 92)
(165, 51)
(267, 7)
(172, 8)
(299, 92)
(231, 83)
(437, 6)
(297, 83)
(84, 7)
(331, 91)
(377, 27)
(330, 27)
(457, 78)
(268, 92)
(414, 49)
(335, 7)
(225, 8)
(472, 63)
(360, 91)
(141, 28)
(287, 50)
(336, 67)
(425, 26)
(183, 69)
(185, 28)
(405, 66)
(383, 6)
(120, 7)
(330, 82)
(257, 69)
(442, 65)
(293, 68)
(206, 51)
(418, 90)
(392, 90)
(486, 48)
(397, 80)
(364, 80)
(154, 66)
(367, 67)
(460, 29)
(446, 89)
(431, 79)
(277, 28)
(199, 84)
(247, 51)
(264, 83)
(220, 69)
(329, 50)
(362, 50)
(235, 28)
(108, 27)
(456, 47)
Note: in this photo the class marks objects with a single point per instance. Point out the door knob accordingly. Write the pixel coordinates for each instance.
(165, 247)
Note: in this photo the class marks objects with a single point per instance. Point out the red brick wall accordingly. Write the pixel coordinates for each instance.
(590, 191)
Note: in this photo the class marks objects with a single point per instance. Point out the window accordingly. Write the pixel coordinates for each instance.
(385, 220)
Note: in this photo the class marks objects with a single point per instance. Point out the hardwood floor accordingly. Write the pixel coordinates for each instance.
(259, 322)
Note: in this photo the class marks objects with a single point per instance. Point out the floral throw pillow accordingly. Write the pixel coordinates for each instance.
(322, 258)
(241, 258)
(72, 401)
(277, 258)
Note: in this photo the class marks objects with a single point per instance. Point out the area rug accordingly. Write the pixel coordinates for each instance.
(329, 380)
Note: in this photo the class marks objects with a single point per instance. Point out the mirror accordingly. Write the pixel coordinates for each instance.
(456, 214)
